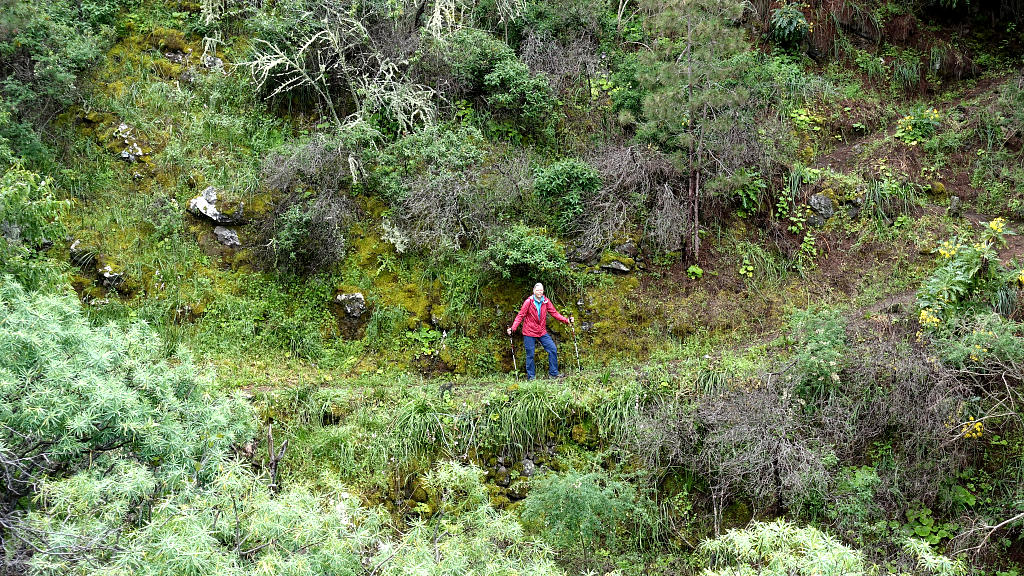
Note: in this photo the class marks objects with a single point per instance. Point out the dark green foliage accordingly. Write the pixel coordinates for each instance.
(270, 316)
(526, 254)
(519, 100)
(854, 506)
(44, 46)
(308, 235)
(580, 512)
(28, 222)
(750, 192)
(789, 25)
(697, 108)
(458, 64)
(565, 186)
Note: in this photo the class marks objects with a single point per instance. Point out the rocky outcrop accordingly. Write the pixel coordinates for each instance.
(205, 206)
(353, 304)
(616, 267)
(227, 237)
(352, 312)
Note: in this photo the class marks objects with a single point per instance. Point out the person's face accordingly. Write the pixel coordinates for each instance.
(538, 292)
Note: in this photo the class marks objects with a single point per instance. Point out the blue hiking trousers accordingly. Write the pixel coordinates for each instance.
(530, 343)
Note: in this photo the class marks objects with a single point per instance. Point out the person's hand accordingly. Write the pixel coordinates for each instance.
(509, 331)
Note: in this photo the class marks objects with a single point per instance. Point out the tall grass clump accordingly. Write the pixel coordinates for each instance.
(515, 421)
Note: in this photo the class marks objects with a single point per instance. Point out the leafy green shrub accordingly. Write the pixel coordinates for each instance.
(921, 524)
(789, 25)
(984, 342)
(918, 126)
(575, 511)
(820, 356)
(457, 64)
(526, 253)
(853, 508)
(28, 221)
(566, 185)
(749, 190)
(520, 98)
(307, 234)
(44, 48)
(779, 548)
(967, 269)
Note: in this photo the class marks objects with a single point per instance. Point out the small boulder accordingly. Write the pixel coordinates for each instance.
(616, 267)
(956, 207)
(211, 62)
(823, 206)
(131, 148)
(10, 231)
(109, 277)
(853, 209)
(528, 467)
(177, 57)
(227, 237)
(502, 477)
(354, 304)
(583, 255)
(81, 256)
(205, 205)
(628, 248)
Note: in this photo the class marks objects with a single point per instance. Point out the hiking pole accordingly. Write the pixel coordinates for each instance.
(576, 344)
(515, 365)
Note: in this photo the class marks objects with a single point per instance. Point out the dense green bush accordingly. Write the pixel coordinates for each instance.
(28, 222)
(582, 512)
(309, 235)
(565, 186)
(44, 46)
(821, 351)
(526, 254)
(968, 272)
(458, 64)
(789, 26)
(522, 103)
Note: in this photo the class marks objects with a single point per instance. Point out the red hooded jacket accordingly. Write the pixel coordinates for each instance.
(532, 324)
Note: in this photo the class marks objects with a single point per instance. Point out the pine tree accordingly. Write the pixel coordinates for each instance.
(695, 107)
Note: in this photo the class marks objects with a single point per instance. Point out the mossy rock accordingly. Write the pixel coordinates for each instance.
(609, 256)
(86, 288)
(167, 39)
(736, 515)
(581, 434)
(167, 70)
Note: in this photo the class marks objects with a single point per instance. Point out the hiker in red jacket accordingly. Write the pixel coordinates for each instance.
(533, 315)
